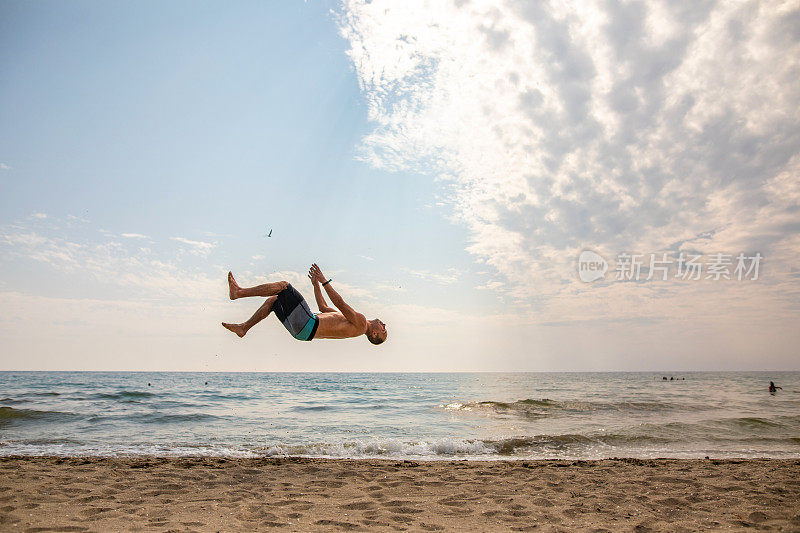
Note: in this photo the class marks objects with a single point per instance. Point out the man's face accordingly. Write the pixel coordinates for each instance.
(380, 328)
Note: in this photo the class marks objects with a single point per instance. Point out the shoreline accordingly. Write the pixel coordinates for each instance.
(309, 494)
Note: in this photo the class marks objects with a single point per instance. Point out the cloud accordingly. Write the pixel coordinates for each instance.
(112, 263)
(3, 166)
(197, 247)
(39, 216)
(134, 236)
(491, 285)
(561, 126)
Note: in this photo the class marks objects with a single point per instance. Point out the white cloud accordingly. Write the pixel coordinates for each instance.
(112, 263)
(39, 216)
(3, 166)
(134, 236)
(197, 247)
(562, 126)
(491, 285)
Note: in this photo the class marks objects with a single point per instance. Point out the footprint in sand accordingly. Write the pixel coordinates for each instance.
(95, 510)
(328, 483)
(357, 506)
(272, 524)
(261, 512)
(281, 503)
(672, 502)
(374, 523)
(453, 502)
(344, 526)
(430, 527)
(405, 510)
(396, 503)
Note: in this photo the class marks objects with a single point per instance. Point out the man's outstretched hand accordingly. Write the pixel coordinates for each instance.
(316, 275)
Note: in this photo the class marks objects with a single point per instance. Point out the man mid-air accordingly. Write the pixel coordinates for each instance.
(292, 310)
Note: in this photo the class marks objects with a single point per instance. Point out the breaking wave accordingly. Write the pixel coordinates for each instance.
(537, 408)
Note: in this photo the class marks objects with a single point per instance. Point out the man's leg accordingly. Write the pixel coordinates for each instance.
(260, 314)
(265, 290)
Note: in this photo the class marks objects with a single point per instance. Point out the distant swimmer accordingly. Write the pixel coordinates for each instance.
(772, 388)
(294, 313)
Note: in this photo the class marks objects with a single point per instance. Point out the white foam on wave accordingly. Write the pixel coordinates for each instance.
(394, 448)
(119, 450)
(368, 448)
(456, 407)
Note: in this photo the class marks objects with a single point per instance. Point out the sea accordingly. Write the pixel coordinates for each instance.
(447, 416)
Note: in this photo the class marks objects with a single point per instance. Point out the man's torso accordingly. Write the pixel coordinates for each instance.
(333, 325)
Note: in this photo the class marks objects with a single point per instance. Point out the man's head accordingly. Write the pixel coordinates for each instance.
(376, 331)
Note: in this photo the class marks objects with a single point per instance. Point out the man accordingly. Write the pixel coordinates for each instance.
(292, 310)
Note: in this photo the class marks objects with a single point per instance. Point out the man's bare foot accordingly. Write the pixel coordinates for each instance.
(236, 328)
(233, 287)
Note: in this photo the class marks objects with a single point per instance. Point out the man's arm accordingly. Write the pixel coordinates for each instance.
(321, 303)
(315, 281)
(357, 319)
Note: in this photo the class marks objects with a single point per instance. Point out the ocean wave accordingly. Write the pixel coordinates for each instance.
(74, 449)
(538, 408)
(11, 400)
(155, 418)
(455, 447)
(381, 448)
(9, 414)
(122, 395)
(541, 446)
(752, 421)
(228, 396)
(564, 446)
(307, 408)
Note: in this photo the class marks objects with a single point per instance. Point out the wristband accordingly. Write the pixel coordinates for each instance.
(327, 282)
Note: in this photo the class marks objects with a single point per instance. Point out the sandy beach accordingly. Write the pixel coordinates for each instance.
(299, 494)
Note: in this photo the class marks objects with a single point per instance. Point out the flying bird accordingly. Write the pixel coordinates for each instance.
(269, 234)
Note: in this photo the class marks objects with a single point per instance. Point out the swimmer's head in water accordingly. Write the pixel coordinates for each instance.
(376, 331)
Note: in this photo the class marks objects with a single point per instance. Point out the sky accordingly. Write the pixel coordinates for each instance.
(446, 163)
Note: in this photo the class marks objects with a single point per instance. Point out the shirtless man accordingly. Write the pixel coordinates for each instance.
(292, 310)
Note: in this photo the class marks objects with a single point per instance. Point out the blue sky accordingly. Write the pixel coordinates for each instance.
(446, 165)
(167, 119)
(211, 122)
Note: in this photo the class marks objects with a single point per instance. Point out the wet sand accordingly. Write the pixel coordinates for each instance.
(152, 494)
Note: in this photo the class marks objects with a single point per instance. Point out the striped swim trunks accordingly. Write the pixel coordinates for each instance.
(295, 315)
